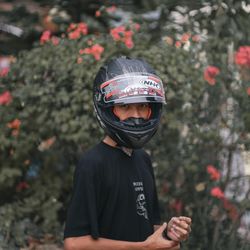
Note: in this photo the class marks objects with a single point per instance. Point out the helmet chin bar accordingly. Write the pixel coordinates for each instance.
(133, 140)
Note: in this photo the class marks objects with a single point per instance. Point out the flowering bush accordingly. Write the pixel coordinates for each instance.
(76, 30)
(121, 33)
(47, 121)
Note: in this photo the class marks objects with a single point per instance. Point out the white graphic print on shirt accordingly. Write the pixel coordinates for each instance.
(140, 200)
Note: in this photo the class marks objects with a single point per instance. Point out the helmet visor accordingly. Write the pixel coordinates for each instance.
(133, 88)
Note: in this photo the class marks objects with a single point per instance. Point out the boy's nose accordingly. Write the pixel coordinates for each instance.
(135, 112)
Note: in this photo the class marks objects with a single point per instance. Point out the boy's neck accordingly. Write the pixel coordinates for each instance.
(108, 140)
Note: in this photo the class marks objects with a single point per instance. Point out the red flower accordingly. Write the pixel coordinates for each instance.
(210, 73)
(21, 186)
(45, 37)
(177, 44)
(77, 30)
(242, 56)
(117, 33)
(72, 26)
(97, 13)
(5, 98)
(217, 192)
(128, 39)
(55, 40)
(74, 35)
(214, 173)
(96, 50)
(185, 37)
(248, 91)
(121, 34)
(4, 72)
(129, 43)
(81, 51)
(83, 28)
(15, 124)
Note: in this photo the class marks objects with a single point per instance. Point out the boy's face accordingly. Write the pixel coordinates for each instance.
(136, 110)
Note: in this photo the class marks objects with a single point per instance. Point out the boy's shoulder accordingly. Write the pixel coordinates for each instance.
(93, 154)
(90, 162)
(97, 156)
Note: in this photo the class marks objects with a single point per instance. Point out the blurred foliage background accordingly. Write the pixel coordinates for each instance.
(50, 52)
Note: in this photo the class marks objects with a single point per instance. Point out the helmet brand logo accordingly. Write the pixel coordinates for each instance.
(151, 83)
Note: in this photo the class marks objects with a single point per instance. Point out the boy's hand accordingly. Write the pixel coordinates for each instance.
(179, 228)
(156, 241)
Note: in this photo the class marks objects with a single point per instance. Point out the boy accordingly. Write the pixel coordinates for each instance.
(114, 203)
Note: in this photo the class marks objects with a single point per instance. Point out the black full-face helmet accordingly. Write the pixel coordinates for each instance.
(126, 81)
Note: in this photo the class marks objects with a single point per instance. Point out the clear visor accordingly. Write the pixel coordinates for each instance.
(132, 88)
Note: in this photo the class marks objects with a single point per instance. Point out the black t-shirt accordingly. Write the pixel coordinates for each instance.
(114, 196)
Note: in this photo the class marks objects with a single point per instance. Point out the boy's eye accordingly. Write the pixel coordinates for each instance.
(144, 105)
(124, 106)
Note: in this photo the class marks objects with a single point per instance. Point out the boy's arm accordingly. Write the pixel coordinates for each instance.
(88, 243)
(155, 241)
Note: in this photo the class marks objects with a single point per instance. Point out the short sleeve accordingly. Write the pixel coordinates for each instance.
(82, 215)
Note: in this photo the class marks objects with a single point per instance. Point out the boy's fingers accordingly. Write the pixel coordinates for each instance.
(181, 223)
(180, 231)
(184, 225)
(174, 235)
(173, 221)
(186, 219)
(161, 229)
